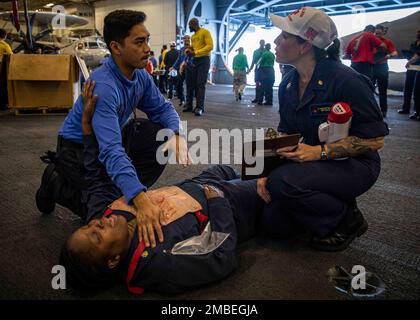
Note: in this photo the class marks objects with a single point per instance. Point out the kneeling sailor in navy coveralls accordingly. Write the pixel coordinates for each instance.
(315, 191)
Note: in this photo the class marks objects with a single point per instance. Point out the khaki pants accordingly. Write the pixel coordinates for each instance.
(239, 82)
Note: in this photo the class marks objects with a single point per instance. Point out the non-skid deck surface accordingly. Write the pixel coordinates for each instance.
(30, 242)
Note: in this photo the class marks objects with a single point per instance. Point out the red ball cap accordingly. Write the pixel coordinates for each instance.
(340, 113)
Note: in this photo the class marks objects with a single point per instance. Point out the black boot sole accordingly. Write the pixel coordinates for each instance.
(329, 248)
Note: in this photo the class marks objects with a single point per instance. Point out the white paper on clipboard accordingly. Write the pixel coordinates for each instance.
(83, 67)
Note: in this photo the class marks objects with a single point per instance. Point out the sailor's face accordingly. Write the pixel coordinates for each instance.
(187, 41)
(379, 32)
(135, 50)
(104, 237)
(193, 25)
(287, 48)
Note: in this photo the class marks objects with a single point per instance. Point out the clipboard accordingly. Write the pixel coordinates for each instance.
(269, 158)
(413, 67)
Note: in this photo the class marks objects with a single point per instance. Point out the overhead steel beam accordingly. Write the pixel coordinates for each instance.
(360, 2)
(238, 34)
(258, 14)
(294, 3)
(241, 3)
(330, 7)
(382, 7)
(263, 6)
(349, 4)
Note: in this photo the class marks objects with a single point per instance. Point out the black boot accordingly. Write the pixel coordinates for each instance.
(353, 225)
(187, 108)
(198, 111)
(414, 116)
(44, 197)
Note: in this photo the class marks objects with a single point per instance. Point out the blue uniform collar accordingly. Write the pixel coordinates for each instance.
(134, 242)
(319, 82)
(110, 63)
(133, 245)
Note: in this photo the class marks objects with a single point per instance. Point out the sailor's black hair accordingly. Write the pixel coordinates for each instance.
(3, 33)
(118, 23)
(370, 28)
(82, 273)
(331, 53)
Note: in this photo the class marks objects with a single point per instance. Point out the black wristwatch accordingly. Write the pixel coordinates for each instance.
(323, 153)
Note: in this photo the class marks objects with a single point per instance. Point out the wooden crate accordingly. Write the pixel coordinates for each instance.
(40, 112)
(42, 82)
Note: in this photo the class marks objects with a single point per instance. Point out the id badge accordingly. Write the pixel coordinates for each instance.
(321, 110)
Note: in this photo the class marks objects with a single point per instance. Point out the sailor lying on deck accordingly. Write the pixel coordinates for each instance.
(204, 218)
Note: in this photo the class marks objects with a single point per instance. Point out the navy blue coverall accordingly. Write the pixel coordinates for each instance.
(315, 196)
(156, 268)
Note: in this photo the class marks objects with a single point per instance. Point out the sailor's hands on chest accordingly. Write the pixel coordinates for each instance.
(148, 219)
